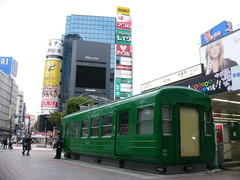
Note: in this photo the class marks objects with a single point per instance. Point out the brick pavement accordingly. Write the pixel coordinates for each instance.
(40, 165)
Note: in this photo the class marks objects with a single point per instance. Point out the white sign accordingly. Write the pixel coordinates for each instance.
(178, 76)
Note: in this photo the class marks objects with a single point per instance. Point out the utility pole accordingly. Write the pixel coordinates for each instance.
(29, 125)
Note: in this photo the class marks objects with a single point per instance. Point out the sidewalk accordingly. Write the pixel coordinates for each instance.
(40, 165)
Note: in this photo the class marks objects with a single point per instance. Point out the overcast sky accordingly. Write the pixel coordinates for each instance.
(165, 34)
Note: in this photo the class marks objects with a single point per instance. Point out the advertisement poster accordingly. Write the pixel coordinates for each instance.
(218, 31)
(124, 22)
(212, 84)
(123, 50)
(221, 53)
(51, 81)
(219, 133)
(123, 37)
(235, 77)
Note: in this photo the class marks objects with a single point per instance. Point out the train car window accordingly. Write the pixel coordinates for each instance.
(84, 128)
(94, 127)
(166, 120)
(207, 122)
(107, 125)
(145, 120)
(76, 129)
(68, 130)
(123, 123)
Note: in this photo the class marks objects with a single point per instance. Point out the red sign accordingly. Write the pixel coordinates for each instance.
(44, 133)
(123, 50)
(49, 103)
(124, 67)
(219, 133)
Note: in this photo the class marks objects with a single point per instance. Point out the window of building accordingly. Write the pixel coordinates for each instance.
(76, 129)
(166, 120)
(85, 128)
(145, 120)
(207, 122)
(123, 123)
(94, 127)
(107, 125)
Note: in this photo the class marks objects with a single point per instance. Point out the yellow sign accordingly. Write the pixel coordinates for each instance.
(123, 10)
(52, 72)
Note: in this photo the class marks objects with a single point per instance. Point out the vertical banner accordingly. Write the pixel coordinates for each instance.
(123, 70)
(51, 81)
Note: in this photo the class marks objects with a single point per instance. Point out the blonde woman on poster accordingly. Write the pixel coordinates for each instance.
(215, 58)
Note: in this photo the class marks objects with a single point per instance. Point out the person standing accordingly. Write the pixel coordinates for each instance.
(24, 144)
(5, 143)
(29, 142)
(59, 146)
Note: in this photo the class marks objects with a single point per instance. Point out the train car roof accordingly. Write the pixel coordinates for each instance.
(133, 98)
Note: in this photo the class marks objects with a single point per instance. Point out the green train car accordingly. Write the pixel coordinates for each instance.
(167, 130)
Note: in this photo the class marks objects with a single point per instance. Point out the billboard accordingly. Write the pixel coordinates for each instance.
(225, 80)
(218, 31)
(93, 51)
(123, 10)
(123, 37)
(123, 50)
(124, 22)
(9, 66)
(221, 53)
(123, 70)
(51, 81)
(55, 47)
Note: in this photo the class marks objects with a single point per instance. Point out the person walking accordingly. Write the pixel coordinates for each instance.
(29, 142)
(24, 144)
(59, 146)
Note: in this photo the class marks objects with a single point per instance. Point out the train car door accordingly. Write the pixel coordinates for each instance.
(122, 147)
(189, 132)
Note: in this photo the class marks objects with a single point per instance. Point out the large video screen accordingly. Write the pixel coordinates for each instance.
(91, 77)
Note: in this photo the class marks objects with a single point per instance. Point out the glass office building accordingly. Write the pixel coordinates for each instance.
(86, 28)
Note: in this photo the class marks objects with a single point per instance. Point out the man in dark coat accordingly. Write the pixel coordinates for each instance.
(59, 146)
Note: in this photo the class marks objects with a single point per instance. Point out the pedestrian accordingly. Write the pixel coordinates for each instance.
(5, 143)
(29, 142)
(59, 146)
(24, 144)
(10, 145)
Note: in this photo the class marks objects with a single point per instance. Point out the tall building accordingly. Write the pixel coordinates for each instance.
(19, 113)
(89, 49)
(8, 99)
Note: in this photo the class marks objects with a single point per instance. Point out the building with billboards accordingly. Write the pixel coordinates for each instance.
(83, 32)
(221, 83)
(8, 100)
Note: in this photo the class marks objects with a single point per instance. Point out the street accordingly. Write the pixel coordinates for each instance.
(40, 165)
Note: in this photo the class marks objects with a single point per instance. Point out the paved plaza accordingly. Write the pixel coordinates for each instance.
(40, 165)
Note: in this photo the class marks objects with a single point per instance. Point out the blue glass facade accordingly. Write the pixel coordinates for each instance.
(88, 28)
